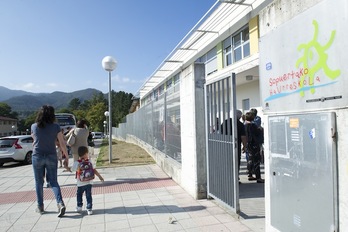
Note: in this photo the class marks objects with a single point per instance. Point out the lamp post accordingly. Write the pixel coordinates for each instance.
(105, 123)
(14, 129)
(109, 64)
(106, 113)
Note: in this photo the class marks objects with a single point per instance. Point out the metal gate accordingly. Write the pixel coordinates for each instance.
(221, 137)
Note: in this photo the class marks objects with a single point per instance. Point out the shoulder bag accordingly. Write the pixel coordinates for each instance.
(71, 139)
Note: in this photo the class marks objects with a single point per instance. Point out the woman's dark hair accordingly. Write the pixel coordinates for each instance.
(81, 123)
(45, 116)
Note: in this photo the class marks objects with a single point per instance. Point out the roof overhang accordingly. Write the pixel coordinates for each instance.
(212, 26)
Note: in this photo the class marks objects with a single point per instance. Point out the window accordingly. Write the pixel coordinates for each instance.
(211, 64)
(228, 52)
(155, 94)
(176, 79)
(210, 61)
(246, 104)
(27, 140)
(161, 90)
(236, 47)
(169, 83)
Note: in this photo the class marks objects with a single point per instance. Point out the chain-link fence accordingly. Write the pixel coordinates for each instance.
(157, 124)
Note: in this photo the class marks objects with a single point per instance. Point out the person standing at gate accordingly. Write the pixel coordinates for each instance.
(254, 136)
(257, 119)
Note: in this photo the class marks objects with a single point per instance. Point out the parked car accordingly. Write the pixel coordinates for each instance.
(16, 149)
(97, 135)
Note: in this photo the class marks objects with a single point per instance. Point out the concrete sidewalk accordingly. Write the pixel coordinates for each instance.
(138, 198)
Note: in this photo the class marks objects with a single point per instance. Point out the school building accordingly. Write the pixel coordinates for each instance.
(231, 60)
(8, 126)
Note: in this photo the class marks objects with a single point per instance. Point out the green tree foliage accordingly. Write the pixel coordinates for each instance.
(74, 104)
(92, 110)
(6, 111)
(95, 116)
(97, 98)
(64, 110)
(29, 121)
(79, 114)
(21, 125)
(121, 103)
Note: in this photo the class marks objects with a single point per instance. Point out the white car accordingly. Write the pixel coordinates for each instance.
(97, 135)
(16, 149)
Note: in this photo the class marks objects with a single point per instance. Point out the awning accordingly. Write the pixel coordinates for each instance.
(219, 19)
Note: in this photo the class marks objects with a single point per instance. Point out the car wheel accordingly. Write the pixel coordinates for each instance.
(27, 159)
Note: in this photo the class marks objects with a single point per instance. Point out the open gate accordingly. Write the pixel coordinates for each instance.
(222, 157)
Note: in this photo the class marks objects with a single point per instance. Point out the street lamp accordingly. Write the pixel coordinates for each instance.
(14, 129)
(109, 64)
(105, 123)
(106, 113)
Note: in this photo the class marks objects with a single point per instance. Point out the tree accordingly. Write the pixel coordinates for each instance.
(29, 121)
(74, 104)
(96, 117)
(80, 114)
(64, 110)
(5, 110)
(121, 102)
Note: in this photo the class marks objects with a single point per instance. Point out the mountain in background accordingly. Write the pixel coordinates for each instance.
(6, 93)
(30, 102)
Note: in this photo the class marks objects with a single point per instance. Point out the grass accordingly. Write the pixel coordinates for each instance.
(123, 154)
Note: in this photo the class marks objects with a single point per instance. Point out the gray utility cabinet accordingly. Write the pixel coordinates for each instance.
(303, 172)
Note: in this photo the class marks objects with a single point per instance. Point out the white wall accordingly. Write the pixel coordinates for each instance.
(251, 91)
(281, 11)
(188, 135)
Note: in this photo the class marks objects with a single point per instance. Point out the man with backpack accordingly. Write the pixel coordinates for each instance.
(85, 174)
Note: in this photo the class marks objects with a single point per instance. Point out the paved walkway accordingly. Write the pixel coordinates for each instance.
(139, 198)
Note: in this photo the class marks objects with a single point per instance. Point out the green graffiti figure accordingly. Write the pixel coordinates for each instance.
(322, 59)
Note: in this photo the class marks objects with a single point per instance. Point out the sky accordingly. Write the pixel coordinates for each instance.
(48, 45)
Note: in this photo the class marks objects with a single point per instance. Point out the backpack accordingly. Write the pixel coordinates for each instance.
(85, 170)
(254, 138)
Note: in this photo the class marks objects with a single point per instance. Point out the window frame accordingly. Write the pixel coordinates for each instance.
(231, 45)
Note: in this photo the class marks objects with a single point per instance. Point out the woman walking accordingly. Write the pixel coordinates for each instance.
(45, 132)
(81, 133)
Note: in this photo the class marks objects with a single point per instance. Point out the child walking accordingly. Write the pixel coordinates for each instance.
(84, 178)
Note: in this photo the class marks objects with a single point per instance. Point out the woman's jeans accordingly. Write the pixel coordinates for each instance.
(48, 163)
(88, 189)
